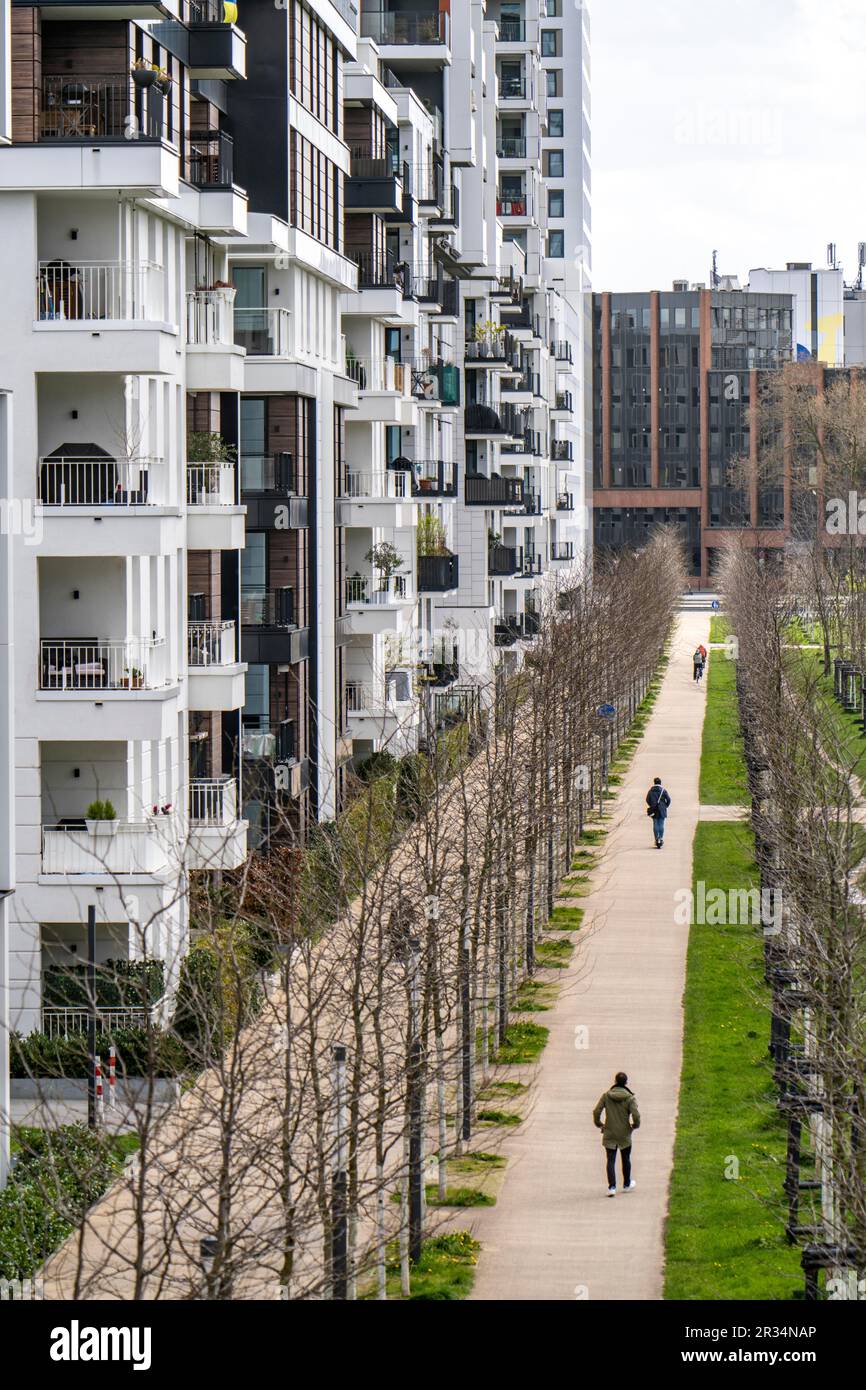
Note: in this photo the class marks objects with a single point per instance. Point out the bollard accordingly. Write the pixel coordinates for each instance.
(112, 1077)
(100, 1099)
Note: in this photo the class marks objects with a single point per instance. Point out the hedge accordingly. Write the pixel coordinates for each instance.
(39, 1057)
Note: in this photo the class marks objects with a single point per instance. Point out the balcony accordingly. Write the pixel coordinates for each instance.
(377, 605)
(215, 520)
(217, 839)
(376, 498)
(504, 561)
(494, 350)
(562, 552)
(384, 283)
(371, 710)
(116, 312)
(565, 502)
(511, 147)
(480, 491)
(386, 387)
(514, 89)
(564, 404)
(210, 159)
(376, 183)
(216, 678)
(217, 50)
(526, 387)
(438, 574)
(561, 450)
(508, 631)
(68, 478)
(483, 422)
(514, 205)
(406, 29)
(97, 106)
(434, 478)
(111, 664)
(562, 352)
(263, 332)
(213, 361)
(431, 290)
(270, 634)
(455, 707)
(110, 848)
(511, 30)
(447, 210)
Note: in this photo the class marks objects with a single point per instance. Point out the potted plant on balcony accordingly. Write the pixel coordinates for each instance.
(385, 558)
(144, 74)
(101, 818)
(431, 536)
(133, 678)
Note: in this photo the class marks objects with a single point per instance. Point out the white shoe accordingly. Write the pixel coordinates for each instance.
(630, 1187)
(611, 1192)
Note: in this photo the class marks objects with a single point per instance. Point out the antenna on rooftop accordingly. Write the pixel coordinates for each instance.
(714, 275)
(861, 262)
(831, 255)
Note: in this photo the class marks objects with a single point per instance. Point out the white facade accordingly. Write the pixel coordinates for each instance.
(819, 320)
(8, 514)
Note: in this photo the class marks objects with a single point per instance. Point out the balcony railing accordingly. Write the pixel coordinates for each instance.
(117, 847)
(483, 419)
(434, 479)
(562, 351)
(82, 291)
(493, 348)
(564, 401)
(269, 473)
(263, 332)
(258, 740)
(366, 165)
(210, 484)
(213, 800)
(504, 560)
(210, 318)
(561, 450)
(405, 27)
(382, 271)
(508, 631)
(69, 481)
(511, 147)
(565, 502)
(210, 159)
(377, 592)
(516, 205)
(369, 699)
(512, 88)
(386, 482)
(212, 644)
(481, 491)
(379, 374)
(437, 574)
(82, 664)
(273, 608)
(84, 107)
(562, 550)
(60, 1022)
(512, 30)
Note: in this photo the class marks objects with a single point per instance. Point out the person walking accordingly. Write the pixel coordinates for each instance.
(657, 802)
(698, 664)
(621, 1119)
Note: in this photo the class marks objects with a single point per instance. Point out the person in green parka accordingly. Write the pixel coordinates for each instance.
(621, 1119)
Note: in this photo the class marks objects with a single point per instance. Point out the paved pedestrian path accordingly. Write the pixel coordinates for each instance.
(555, 1234)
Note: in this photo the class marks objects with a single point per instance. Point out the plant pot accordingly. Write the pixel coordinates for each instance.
(102, 827)
(143, 77)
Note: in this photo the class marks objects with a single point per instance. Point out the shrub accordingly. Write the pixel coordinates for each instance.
(39, 1057)
(101, 810)
(120, 984)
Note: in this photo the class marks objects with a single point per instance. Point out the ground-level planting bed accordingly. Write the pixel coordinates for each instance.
(725, 1235)
(723, 774)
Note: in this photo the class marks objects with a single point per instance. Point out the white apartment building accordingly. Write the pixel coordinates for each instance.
(7, 799)
(113, 189)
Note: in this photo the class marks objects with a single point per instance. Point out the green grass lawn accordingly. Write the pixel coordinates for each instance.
(842, 726)
(723, 778)
(725, 1236)
(720, 629)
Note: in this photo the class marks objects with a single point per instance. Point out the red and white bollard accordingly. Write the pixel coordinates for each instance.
(100, 1099)
(112, 1077)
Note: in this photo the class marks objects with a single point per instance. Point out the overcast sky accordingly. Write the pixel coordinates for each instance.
(734, 124)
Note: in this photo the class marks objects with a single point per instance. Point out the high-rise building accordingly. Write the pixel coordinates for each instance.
(674, 373)
(7, 754)
(819, 320)
(114, 189)
(297, 339)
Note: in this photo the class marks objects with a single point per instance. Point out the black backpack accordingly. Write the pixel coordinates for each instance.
(654, 796)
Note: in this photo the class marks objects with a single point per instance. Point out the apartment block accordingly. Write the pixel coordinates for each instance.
(674, 374)
(128, 683)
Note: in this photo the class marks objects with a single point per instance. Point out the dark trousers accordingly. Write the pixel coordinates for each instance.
(625, 1155)
(659, 827)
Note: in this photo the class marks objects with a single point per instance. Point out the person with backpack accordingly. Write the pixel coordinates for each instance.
(698, 663)
(657, 803)
(621, 1119)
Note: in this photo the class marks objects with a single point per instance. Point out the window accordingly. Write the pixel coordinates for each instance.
(556, 202)
(554, 164)
(554, 9)
(555, 124)
(556, 244)
(550, 43)
(553, 77)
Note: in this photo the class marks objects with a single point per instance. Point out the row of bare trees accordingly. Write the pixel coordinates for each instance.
(345, 1000)
(805, 765)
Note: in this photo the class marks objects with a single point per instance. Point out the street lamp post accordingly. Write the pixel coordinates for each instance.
(339, 1190)
(416, 1176)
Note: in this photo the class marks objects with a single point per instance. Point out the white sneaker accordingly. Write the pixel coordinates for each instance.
(630, 1187)
(611, 1192)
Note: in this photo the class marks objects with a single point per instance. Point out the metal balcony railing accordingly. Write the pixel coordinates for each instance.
(375, 592)
(562, 550)
(437, 574)
(503, 560)
(272, 608)
(84, 107)
(561, 450)
(69, 481)
(562, 351)
(210, 318)
(212, 644)
(213, 800)
(110, 664)
(481, 491)
(513, 205)
(366, 165)
(434, 478)
(564, 401)
(405, 27)
(210, 159)
(508, 631)
(512, 88)
(60, 1022)
(565, 502)
(512, 30)
(381, 270)
(263, 332)
(269, 473)
(81, 291)
(210, 484)
(382, 483)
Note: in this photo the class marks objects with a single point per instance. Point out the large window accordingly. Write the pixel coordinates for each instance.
(554, 164)
(316, 193)
(556, 202)
(316, 73)
(551, 43)
(556, 244)
(555, 123)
